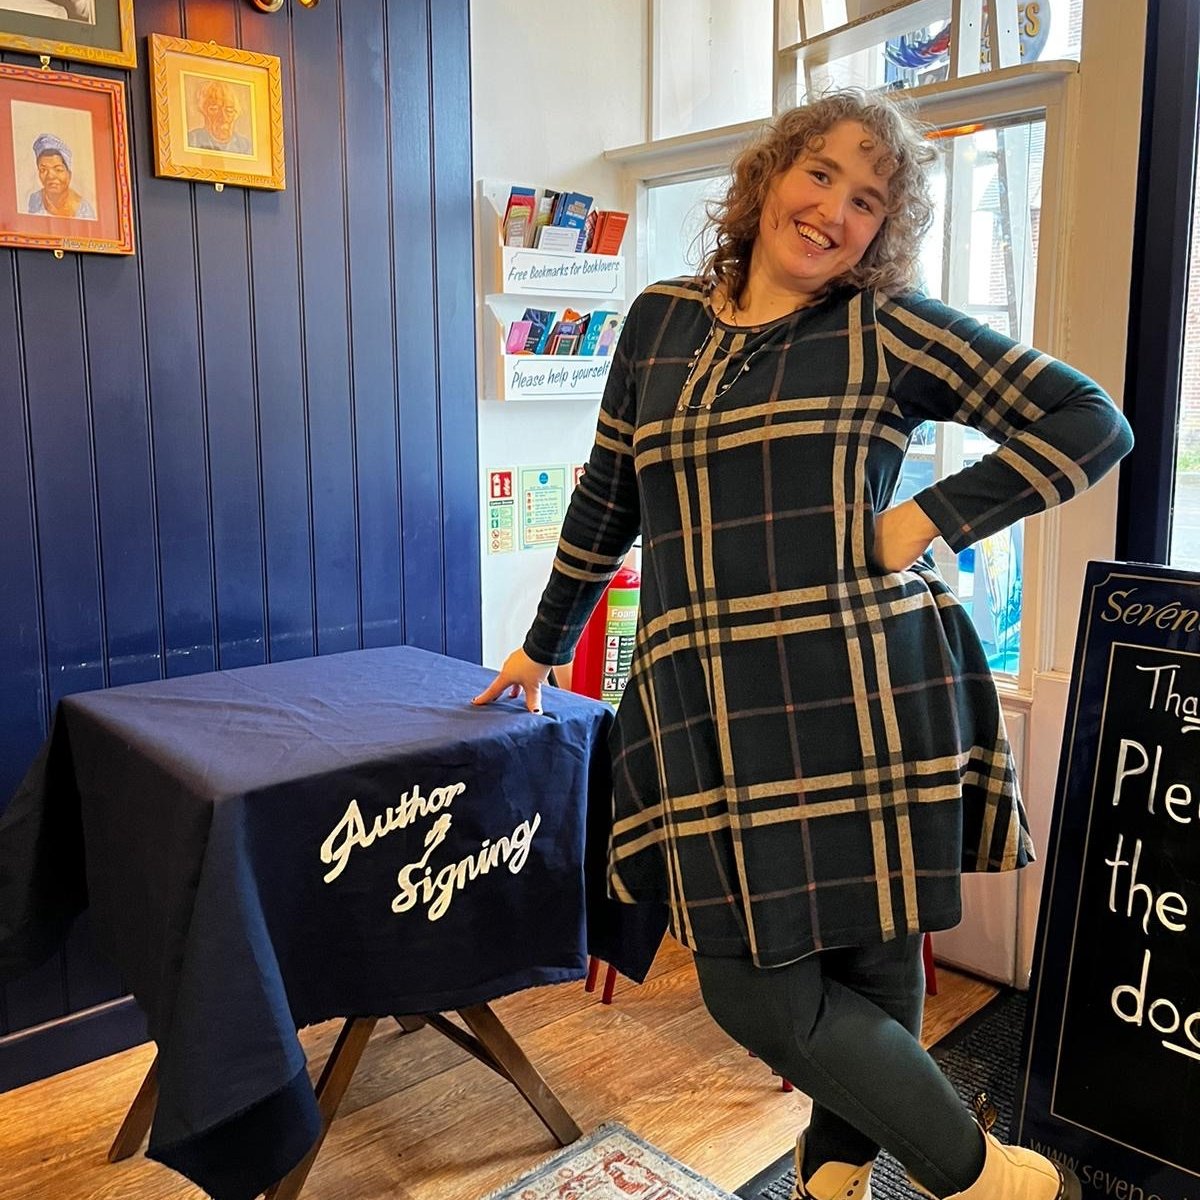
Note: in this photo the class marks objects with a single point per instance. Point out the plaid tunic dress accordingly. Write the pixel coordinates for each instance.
(809, 750)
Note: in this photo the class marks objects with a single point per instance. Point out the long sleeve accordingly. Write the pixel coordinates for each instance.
(1058, 431)
(602, 518)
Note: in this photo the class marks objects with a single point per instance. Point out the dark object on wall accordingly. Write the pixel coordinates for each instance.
(64, 162)
(218, 113)
(257, 439)
(89, 31)
(1116, 993)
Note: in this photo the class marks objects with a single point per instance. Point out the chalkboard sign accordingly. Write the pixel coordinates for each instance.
(1112, 1047)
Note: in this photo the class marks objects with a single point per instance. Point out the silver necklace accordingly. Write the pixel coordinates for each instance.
(687, 391)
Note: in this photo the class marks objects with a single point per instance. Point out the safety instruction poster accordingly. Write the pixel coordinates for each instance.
(543, 505)
(501, 512)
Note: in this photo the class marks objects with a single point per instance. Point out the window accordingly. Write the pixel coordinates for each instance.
(981, 258)
(1185, 508)
(842, 47)
(676, 212)
(1159, 515)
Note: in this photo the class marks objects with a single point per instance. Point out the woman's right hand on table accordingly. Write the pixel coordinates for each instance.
(519, 674)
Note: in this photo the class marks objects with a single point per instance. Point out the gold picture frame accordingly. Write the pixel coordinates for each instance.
(218, 113)
(91, 31)
(64, 162)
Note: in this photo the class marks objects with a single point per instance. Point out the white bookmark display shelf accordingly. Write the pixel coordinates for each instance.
(517, 278)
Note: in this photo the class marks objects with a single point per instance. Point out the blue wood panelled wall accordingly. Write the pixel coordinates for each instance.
(256, 439)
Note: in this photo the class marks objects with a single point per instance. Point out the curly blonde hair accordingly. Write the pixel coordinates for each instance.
(890, 264)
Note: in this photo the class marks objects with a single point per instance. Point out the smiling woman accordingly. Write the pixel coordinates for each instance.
(843, 166)
(810, 750)
(820, 217)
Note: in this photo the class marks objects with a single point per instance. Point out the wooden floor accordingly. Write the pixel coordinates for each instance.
(424, 1121)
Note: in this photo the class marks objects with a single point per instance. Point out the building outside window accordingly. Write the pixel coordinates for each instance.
(1185, 511)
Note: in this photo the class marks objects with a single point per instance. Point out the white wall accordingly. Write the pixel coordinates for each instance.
(548, 94)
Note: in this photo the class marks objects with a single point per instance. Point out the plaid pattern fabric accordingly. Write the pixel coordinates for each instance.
(810, 750)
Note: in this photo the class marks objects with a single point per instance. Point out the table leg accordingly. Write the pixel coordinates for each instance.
(486, 1026)
(464, 1038)
(138, 1119)
(331, 1087)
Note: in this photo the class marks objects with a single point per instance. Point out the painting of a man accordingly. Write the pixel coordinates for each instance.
(56, 197)
(62, 10)
(220, 106)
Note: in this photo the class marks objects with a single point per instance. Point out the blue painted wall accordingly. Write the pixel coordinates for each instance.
(255, 439)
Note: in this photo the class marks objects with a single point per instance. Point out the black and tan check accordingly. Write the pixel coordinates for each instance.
(810, 750)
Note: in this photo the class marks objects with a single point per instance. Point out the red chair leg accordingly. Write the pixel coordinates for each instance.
(610, 979)
(610, 982)
(785, 1085)
(931, 988)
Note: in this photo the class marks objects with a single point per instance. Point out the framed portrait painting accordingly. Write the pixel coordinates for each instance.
(93, 31)
(218, 113)
(64, 162)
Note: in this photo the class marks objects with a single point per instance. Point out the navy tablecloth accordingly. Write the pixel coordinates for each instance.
(273, 846)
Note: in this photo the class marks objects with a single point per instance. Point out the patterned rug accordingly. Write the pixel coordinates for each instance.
(982, 1054)
(612, 1163)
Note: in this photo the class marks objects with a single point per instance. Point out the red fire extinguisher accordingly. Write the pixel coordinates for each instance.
(605, 650)
(600, 669)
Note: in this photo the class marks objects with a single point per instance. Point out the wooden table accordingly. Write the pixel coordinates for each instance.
(348, 837)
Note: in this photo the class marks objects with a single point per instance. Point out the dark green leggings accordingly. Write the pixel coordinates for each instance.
(843, 1026)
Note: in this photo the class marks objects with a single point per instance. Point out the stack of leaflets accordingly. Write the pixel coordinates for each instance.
(561, 222)
(544, 331)
(605, 229)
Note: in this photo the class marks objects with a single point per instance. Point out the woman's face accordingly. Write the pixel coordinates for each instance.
(54, 176)
(822, 213)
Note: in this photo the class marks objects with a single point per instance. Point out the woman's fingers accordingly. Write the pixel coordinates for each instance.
(902, 535)
(519, 674)
(492, 691)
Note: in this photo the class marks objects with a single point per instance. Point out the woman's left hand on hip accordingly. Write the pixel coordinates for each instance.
(902, 534)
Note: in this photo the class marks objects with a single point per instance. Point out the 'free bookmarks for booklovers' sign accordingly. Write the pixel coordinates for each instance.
(1112, 1047)
(533, 272)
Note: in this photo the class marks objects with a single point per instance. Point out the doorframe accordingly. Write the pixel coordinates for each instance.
(1159, 283)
